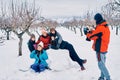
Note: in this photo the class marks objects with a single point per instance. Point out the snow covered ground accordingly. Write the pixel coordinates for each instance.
(10, 63)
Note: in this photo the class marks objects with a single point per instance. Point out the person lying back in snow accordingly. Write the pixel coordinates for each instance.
(40, 57)
(31, 43)
(58, 43)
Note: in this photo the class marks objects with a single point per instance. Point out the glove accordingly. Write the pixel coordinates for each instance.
(87, 39)
(86, 30)
(35, 46)
(54, 46)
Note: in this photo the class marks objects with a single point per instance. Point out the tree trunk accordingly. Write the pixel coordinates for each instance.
(20, 46)
(28, 32)
(112, 27)
(71, 28)
(116, 30)
(8, 34)
(75, 30)
(81, 31)
(67, 27)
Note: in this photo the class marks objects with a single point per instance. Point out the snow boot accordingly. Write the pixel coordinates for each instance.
(82, 68)
(101, 78)
(84, 61)
(108, 78)
(48, 68)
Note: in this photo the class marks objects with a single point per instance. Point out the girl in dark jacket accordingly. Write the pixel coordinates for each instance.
(58, 43)
(31, 43)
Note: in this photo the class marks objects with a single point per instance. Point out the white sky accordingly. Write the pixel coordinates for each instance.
(69, 7)
(52, 8)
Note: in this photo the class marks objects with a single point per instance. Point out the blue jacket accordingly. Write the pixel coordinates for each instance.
(42, 57)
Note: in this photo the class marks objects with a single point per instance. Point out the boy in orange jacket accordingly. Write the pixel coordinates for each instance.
(101, 38)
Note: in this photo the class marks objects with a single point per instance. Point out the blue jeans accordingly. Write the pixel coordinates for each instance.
(102, 66)
(38, 67)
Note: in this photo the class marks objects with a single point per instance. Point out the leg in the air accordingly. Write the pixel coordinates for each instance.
(73, 55)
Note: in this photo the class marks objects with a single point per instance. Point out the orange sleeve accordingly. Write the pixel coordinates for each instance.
(93, 38)
(94, 34)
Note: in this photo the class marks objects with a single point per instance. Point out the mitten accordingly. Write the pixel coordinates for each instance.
(86, 30)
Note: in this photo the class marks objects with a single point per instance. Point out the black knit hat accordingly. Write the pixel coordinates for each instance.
(98, 18)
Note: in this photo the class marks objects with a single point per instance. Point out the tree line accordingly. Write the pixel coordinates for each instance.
(110, 11)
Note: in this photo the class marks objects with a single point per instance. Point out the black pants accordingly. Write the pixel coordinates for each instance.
(72, 53)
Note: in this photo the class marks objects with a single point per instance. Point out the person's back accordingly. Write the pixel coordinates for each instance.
(101, 37)
(105, 36)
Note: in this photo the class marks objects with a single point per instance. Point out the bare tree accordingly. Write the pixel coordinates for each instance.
(111, 12)
(22, 17)
(81, 24)
(88, 18)
(5, 21)
(116, 5)
(71, 24)
(47, 24)
(66, 24)
(117, 23)
(108, 13)
(6, 27)
(74, 24)
(1, 37)
(116, 9)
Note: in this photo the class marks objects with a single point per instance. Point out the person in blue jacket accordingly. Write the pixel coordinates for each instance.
(40, 57)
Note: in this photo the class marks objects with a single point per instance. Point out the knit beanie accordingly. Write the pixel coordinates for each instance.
(98, 18)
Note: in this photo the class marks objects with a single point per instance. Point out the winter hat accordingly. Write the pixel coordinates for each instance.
(98, 17)
(41, 44)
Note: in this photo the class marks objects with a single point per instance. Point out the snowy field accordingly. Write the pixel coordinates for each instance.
(59, 60)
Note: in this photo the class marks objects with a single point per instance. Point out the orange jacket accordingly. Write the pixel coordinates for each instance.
(101, 37)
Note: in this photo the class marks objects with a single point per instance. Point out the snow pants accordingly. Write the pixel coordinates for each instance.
(38, 67)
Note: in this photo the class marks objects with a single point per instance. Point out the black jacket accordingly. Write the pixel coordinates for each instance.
(31, 45)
